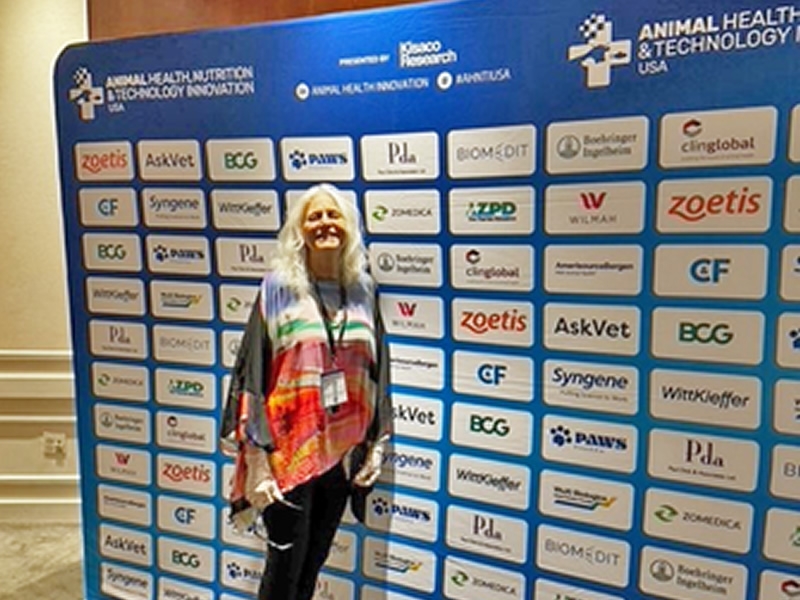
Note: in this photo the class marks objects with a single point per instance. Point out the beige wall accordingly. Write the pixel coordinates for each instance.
(36, 397)
(33, 313)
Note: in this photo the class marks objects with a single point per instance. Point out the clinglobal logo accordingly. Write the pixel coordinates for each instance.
(600, 51)
(85, 94)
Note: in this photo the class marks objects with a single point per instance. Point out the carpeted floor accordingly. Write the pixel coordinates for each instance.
(40, 562)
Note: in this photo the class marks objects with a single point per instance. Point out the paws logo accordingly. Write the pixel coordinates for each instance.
(600, 51)
(85, 94)
(560, 436)
(794, 339)
(298, 159)
(160, 253)
(380, 507)
(234, 571)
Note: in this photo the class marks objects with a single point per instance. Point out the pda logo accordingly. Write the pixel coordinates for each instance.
(600, 51)
(85, 94)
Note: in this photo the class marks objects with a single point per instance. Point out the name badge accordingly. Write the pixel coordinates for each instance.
(334, 389)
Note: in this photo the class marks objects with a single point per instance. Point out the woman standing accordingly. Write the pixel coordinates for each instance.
(308, 409)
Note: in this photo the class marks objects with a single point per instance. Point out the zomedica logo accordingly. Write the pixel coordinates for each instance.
(600, 51)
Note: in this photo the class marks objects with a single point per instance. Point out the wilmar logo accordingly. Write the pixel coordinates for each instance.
(85, 94)
(317, 159)
(493, 322)
(600, 51)
(186, 475)
(729, 205)
(593, 209)
(104, 161)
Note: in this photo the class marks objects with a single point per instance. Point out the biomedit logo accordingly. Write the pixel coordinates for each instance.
(600, 51)
(85, 94)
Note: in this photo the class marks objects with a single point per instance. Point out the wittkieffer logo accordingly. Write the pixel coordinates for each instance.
(85, 94)
(600, 52)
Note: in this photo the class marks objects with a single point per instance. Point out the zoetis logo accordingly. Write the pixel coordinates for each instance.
(714, 205)
(491, 322)
(186, 475)
(600, 51)
(104, 161)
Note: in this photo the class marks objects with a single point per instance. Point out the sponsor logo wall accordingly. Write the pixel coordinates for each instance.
(588, 279)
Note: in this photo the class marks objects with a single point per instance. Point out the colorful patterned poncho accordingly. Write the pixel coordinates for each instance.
(274, 398)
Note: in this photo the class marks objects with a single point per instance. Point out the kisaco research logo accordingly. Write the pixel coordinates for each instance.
(600, 52)
(85, 94)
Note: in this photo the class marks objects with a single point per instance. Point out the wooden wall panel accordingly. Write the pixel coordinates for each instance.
(112, 19)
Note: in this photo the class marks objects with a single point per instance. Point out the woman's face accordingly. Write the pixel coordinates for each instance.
(324, 225)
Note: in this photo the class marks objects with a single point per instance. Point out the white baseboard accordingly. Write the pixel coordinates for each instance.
(36, 395)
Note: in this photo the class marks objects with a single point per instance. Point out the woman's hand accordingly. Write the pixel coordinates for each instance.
(260, 488)
(371, 469)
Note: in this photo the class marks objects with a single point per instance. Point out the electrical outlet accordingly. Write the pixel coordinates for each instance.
(54, 444)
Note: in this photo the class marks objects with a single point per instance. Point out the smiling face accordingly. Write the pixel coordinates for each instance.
(324, 226)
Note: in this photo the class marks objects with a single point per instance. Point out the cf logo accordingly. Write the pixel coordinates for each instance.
(111, 251)
(240, 160)
(107, 207)
(184, 515)
(185, 559)
(705, 333)
(491, 374)
(709, 270)
(489, 425)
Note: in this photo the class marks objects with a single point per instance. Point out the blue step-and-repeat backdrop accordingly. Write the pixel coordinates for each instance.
(583, 218)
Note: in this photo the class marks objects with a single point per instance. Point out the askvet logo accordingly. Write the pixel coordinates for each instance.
(85, 94)
(600, 52)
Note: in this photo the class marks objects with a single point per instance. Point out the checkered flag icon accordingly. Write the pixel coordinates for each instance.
(82, 77)
(592, 26)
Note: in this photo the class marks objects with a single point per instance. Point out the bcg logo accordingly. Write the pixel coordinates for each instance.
(185, 559)
(709, 270)
(489, 425)
(705, 333)
(111, 252)
(239, 160)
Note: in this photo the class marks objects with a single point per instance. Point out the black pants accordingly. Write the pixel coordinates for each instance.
(300, 538)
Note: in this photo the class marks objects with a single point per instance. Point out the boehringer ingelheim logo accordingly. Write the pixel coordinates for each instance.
(601, 51)
(85, 94)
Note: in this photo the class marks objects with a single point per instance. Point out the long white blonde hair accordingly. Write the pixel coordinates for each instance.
(289, 260)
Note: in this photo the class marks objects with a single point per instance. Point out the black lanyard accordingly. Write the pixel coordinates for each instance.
(327, 319)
